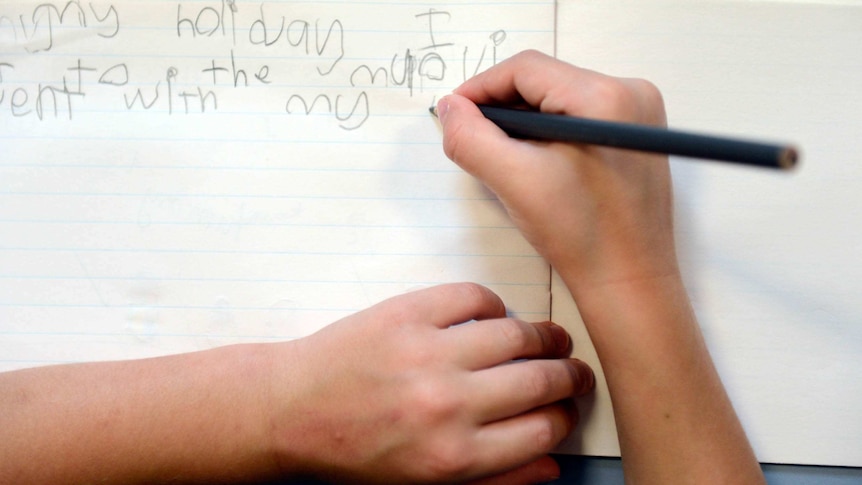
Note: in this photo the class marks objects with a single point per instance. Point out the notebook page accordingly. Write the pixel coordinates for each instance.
(180, 175)
(771, 260)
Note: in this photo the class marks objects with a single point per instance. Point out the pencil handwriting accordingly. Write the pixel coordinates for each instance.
(207, 56)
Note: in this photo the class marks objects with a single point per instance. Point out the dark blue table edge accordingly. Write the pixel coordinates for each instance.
(587, 470)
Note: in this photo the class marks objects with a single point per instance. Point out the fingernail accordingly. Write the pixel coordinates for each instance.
(550, 468)
(442, 110)
(585, 376)
(561, 339)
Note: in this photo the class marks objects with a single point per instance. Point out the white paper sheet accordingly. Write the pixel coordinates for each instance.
(162, 188)
(772, 261)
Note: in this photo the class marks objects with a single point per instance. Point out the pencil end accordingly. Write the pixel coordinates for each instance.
(788, 158)
(433, 111)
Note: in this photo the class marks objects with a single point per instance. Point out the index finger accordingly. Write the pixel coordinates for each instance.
(488, 343)
(551, 86)
(447, 305)
(530, 76)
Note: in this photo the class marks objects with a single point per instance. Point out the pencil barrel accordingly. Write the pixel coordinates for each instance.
(543, 126)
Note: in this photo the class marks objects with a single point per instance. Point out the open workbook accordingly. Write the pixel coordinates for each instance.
(180, 175)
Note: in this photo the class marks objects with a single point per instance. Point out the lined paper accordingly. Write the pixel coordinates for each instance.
(180, 175)
(771, 260)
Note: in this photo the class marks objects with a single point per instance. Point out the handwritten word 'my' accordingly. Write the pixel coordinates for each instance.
(36, 31)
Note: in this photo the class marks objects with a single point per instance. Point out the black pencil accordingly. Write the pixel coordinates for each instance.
(553, 127)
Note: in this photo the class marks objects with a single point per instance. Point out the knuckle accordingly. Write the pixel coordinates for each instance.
(531, 54)
(393, 317)
(650, 92)
(435, 402)
(456, 135)
(542, 384)
(631, 99)
(482, 299)
(472, 291)
(616, 98)
(651, 101)
(420, 354)
(449, 459)
(514, 335)
(545, 435)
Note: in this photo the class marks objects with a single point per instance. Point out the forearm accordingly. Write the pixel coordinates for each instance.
(674, 419)
(190, 417)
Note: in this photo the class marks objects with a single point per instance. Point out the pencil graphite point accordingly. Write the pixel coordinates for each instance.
(433, 111)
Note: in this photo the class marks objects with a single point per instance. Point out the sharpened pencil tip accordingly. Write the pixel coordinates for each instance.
(433, 111)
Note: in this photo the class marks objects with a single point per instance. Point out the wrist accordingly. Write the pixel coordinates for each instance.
(636, 315)
(289, 417)
(225, 418)
(621, 275)
(663, 383)
(252, 377)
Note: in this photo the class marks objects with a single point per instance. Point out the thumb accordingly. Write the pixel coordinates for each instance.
(476, 144)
